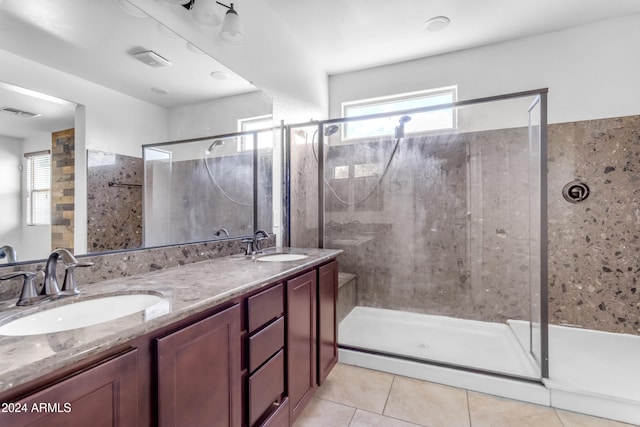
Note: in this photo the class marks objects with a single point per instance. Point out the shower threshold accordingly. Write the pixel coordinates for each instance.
(474, 345)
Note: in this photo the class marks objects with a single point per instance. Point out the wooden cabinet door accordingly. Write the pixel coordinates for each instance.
(327, 327)
(301, 341)
(199, 373)
(102, 396)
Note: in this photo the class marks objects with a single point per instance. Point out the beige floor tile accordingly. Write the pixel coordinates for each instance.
(357, 387)
(491, 411)
(429, 404)
(572, 419)
(369, 419)
(322, 413)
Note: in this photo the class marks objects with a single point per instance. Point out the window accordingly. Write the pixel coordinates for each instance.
(420, 122)
(38, 169)
(265, 138)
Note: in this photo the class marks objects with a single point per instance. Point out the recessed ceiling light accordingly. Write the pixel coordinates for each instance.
(437, 23)
(193, 48)
(159, 91)
(220, 75)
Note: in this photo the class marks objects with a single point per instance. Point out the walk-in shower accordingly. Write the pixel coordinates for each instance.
(441, 227)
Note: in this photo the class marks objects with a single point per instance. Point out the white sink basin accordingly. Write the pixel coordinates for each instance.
(282, 257)
(79, 314)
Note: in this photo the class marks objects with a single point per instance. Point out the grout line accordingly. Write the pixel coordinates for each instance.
(352, 416)
(384, 408)
(557, 416)
(466, 393)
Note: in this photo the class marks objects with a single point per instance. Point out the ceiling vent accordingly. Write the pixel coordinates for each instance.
(151, 58)
(19, 113)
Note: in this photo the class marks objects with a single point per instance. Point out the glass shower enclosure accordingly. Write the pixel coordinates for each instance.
(440, 213)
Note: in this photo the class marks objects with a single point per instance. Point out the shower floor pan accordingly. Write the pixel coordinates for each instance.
(476, 345)
(591, 372)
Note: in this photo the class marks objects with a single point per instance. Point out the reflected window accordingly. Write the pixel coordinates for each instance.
(366, 169)
(265, 138)
(341, 172)
(38, 185)
(420, 122)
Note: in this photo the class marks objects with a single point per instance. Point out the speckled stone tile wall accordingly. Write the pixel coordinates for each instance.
(594, 245)
(114, 201)
(447, 231)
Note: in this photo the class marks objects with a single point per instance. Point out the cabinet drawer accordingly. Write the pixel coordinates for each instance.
(266, 343)
(265, 307)
(280, 415)
(266, 386)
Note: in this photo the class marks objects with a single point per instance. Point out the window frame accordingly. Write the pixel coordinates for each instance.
(389, 100)
(31, 186)
(242, 127)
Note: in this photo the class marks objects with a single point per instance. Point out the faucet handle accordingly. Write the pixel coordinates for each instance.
(29, 293)
(69, 285)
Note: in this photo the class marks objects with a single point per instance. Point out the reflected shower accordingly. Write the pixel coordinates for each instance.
(400, 127)
(213, 144)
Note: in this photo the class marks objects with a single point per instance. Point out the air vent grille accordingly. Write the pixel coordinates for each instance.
(19, 113)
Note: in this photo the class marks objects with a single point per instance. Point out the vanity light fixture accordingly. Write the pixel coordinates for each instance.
(204, 12)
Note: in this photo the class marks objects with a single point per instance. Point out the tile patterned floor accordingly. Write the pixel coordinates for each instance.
(358, 397)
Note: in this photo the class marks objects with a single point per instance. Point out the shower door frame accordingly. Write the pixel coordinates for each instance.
(541, 95)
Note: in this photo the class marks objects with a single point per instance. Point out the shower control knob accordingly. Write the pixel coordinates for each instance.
(575, 191)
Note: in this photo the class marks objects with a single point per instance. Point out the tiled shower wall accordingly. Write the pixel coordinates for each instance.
(114, 212)
(202, 199)
(594, 245)
(408, 243)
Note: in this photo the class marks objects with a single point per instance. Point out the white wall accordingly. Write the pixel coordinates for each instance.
(36, 239)
(591, 72)
(216, 117)
(10, 192)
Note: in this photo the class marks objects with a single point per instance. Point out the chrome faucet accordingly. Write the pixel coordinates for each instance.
(9, 252)
(253, 243)
(29, 294)
(50, 288)
(69, 286)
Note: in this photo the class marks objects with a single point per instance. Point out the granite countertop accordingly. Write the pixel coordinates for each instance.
(185, 291)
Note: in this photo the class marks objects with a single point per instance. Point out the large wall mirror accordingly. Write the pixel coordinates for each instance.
(88, 84)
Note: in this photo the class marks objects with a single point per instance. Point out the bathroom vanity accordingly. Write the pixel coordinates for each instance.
(252, 354)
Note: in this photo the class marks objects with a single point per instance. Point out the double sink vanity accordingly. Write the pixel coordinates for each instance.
(233, 341)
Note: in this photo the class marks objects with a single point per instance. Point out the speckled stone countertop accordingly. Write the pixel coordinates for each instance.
(186, 290)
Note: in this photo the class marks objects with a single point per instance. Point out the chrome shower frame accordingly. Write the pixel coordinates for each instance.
(541, 99)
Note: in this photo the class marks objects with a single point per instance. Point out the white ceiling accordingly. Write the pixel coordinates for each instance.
(346, 35)
(92, 38)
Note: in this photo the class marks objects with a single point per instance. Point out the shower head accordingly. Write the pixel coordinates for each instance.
(400, 127)
(330, 130)
(404, 119)
(213, 144)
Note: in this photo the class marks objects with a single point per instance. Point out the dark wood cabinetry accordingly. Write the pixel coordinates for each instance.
(301, 341)
(255, 361)
(327, 326)
(103, 395)
(199, 373)
(266, 355)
